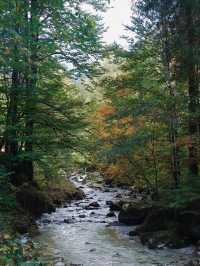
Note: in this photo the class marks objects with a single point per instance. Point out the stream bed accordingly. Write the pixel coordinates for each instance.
(81, 234)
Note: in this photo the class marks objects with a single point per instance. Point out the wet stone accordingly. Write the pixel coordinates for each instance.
(132, 233)
(92, 250)
(82, 216)
(111, 214)
(68, 221)
(46, 221)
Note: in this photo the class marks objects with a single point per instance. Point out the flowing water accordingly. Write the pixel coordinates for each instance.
(78, 235)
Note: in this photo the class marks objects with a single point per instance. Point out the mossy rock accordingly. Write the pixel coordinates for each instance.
(163, 238)
(158, 218)
(134, 214)
(23, 223)
(34, 201)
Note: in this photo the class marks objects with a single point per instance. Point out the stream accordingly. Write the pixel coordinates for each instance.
(79, 234)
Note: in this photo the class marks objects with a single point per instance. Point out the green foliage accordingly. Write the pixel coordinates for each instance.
(45, 45)
(13, 253)
(7, 196)
(187, 193)
(148, 128)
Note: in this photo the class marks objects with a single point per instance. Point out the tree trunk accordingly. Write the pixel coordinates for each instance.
(11, 143)
(170, 74)
(31, 87)
(193, 92)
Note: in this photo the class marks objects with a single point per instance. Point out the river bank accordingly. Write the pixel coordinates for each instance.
(18, 216)
(82, 221)
(87, 232)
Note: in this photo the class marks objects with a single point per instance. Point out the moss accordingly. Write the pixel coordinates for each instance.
(61, 190)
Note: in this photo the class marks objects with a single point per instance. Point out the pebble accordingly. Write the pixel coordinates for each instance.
(82, 216)
(92, 250)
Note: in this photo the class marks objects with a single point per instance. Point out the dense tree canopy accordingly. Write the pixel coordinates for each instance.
(148, 130)
(42, 44)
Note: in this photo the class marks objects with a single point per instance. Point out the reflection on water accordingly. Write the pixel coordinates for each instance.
(67, 236)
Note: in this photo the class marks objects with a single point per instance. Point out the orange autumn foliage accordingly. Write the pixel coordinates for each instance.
(108, 131)
(105, 110)
(117, 169)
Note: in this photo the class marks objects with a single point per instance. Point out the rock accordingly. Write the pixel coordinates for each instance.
(24, 224)
(88, 243)
(78, 195)
(111, 214)
(189, 225)
(157, 219)
(82, 216)
(109, 202)
(58, 222)
(115, 223)
(34, 201)
(133, 214)
(195, 262)
(21, 227)
(161, 239)
(186, 222)
(119, 196)
(46, 221)
(116, 206)
(68, 221)
(94, 204)
(92, 250)
(133, 233)
(109, 182)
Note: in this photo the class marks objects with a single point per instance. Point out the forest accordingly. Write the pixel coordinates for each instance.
(111, 129)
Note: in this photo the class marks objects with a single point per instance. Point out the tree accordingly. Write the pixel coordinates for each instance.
(61, 36)
(175, 25)
(157, 87)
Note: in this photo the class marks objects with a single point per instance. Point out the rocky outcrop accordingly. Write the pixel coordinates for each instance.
(158, 218)
(133, 214)
(163, 238)
(160, 225)
(23, 223)
(189, 225)
(33, 200)
(61, 195)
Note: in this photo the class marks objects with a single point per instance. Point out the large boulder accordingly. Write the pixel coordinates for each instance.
(163, 238)
(159, 218)
(181, 226)
(189, 225)
(63, 194)
(110, 214)
(133, 214)
(23, 223)
(33, 200)
(116, 206)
